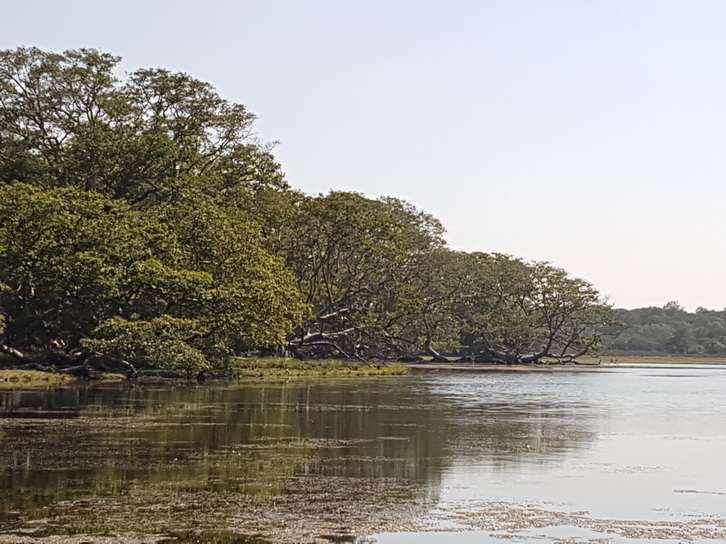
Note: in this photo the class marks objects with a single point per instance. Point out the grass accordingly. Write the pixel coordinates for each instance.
(281, 368)
(10, 379)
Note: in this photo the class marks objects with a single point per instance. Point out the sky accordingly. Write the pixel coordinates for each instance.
(587, 133)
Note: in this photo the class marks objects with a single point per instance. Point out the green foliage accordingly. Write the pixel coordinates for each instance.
(502, 306)
(76, 261)
(351, 256)
(163, 342)
(569, 315)
(672, 330)
(66, 120)
(143, 220)
(66, 259)
(125, 222)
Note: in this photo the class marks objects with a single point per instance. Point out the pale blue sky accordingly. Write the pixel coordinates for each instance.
(591, 134)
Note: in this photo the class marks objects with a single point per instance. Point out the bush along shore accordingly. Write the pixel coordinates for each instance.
(143, 226)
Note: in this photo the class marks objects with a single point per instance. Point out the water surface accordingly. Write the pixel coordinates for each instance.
(609, 455)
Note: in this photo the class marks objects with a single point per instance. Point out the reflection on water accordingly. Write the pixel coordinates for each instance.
(636, 437)
(126, 456)
(344, 458)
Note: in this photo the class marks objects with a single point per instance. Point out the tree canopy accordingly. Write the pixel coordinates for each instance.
(671, 329)
(142, 221)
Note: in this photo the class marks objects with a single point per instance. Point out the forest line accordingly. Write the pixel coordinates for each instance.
(142, 222)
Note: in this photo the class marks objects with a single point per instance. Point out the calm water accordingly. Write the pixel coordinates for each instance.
(613, 455)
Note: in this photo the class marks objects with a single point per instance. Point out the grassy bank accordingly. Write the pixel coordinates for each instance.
(11, 379)
(239, 368)
(281, 368)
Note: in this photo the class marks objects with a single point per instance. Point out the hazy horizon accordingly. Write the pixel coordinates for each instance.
(586, 134)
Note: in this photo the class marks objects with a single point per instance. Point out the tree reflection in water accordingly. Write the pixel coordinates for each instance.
(332, 456)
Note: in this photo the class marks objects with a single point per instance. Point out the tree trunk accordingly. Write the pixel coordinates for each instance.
(14, 353)
(492, 356)
(436, 356)
(84, 364)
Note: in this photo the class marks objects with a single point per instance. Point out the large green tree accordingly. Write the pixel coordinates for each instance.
(67, 120)
(142, 220)
(351, 256)
(499, 309)
(87, 272)
(132, 214)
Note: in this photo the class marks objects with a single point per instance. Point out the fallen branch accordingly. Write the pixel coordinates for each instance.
(15, 354)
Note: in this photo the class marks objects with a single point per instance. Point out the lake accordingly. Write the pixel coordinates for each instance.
(604, 455)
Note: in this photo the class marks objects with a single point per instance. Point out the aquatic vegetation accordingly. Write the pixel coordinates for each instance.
(31, 378)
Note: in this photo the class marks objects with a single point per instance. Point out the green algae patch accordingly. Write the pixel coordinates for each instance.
(334, 368)
(211, 537)
(11, 379)
(16, 379)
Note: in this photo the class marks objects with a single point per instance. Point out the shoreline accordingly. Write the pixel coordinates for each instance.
(558, 367)
(257, 370)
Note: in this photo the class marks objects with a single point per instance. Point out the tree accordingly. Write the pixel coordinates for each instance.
(351, 255)
(496, 325)
(89, 274)
(672, 330)
(674, 306)
(681, 341)
(569, 315)
(66, 254)
(143, 221)
(435, 304)
(524, 312)
(130, 215)
(499, 309)
(251, 299)
(66, 120)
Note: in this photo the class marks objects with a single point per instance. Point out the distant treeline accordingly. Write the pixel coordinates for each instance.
(142, 222)
(671, 329)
